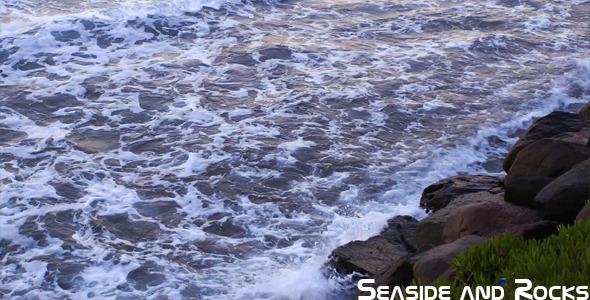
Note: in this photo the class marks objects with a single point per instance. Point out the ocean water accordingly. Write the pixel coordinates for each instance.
(211, 149)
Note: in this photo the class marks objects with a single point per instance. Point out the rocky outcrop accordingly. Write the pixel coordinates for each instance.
(439, 195)
(479, 214)
(563, 198)
(547, 184)
(370, 257)
(548, 157)
(546, 127)
(553, 146)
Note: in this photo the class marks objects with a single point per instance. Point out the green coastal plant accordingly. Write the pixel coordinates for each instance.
(562, 259)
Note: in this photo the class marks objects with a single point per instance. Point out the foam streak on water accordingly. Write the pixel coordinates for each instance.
(204, 149)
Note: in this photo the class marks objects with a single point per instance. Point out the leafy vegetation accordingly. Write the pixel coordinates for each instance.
(562, 259)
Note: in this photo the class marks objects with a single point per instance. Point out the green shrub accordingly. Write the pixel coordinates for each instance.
(562, 259)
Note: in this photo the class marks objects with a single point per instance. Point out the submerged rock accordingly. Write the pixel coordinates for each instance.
(9, 137)
(373, 255)
(120, 226)
(96, 141)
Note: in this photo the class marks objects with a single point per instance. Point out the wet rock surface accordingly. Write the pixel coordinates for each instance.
(94, 141)
(370, 257)
(121, 226)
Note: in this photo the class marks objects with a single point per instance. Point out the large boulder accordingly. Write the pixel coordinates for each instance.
(476, 214)
(522, 190)
(553, 124)
(372, 256)
(435, 262)
(563, 198)
(548, 157)
(438, 195)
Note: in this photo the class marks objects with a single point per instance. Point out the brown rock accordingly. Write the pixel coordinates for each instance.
(435, 261)
(547, 157)
(375, 254)
(478, 214)
(438, 195)
(430, 229)
(553, 124)
(486, 219)
(583, 214)
(562, 199)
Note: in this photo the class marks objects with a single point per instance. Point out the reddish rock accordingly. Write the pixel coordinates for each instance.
(435, 262)
(438, 195)
(548, 126)
(486, 219)
(478, 214)
(563, 198)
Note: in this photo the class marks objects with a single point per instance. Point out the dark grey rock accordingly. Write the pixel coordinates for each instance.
(523, 189)
(226, 228)
(154, 102)
(373, 255)
(275, 52)
(562, 199)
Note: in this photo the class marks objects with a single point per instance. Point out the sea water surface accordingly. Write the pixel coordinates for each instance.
(211, 149)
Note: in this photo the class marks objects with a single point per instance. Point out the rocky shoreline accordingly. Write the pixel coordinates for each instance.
(547, 184)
